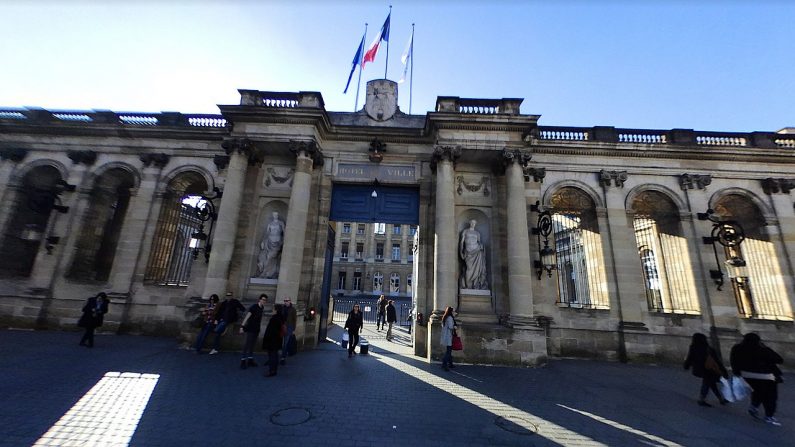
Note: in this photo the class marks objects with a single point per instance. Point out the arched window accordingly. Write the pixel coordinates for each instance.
(409, 284)
(95, 248)
(378, 282)
(171, 257)
(394, 283)
(28, 225)
(578, 247)
(664, 257)
(760, 292)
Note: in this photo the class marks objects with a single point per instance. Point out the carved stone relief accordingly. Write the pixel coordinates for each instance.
(478, 186)
(279, 177)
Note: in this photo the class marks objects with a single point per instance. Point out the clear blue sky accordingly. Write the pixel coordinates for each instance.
(707, 65)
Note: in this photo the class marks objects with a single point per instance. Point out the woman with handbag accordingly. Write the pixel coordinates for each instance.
(446, 340)
(93, 314)
(706, 365)
(354, 325)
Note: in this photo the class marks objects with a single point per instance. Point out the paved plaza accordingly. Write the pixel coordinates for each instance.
(149, 391)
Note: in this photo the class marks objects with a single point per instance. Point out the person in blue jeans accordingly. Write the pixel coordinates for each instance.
(446, 340)
(290, 319)
(209, 315)
(227, 315)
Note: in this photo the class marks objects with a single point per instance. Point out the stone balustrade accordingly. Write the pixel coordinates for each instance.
(42, 116)
(285, 100)
(476, 106)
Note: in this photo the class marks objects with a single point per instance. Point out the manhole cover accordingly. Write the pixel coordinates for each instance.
(291, 416)
(518, 425)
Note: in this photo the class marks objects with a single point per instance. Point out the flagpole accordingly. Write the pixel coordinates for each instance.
(411, 76)
(386, 65)
(359, 82)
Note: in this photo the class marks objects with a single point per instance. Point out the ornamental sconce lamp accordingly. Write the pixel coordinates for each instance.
(730, 235)
(205, 211)
(546, 255)
(44, 201)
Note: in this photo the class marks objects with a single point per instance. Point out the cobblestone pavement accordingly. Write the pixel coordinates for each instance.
(323, 398)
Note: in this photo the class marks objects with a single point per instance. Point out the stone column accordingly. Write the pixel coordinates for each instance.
(445, 253)
(783, 234)
(132, 232)
(225, 231)
(9, 159)
(520, 285)
(297, 216)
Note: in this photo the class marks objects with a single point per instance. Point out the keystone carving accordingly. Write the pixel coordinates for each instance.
(86, 157)
(473, 187)
(777, 185)
(159, 160)
(617, 178)
(694, 181)
(377, 149)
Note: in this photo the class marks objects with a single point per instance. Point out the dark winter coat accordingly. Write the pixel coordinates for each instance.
(755, 358)
(355, 321)
(93, 316)
(229, 311)
(697, 357)
(272, 340)
(391, 313)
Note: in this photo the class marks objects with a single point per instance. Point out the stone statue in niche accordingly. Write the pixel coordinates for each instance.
(270, 254)
(473, 254)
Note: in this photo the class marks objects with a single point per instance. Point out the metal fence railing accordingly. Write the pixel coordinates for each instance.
(343, 306)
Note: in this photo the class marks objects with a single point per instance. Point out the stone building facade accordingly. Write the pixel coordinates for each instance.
(549, 241)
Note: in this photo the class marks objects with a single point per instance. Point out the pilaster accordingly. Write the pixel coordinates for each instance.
(520, 287)
(445, 255)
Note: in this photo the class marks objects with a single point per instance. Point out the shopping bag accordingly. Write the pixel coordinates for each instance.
(725, 388)
(457, 345)
(740, 388)
(345, 338)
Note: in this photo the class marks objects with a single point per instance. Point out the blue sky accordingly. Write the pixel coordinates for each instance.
(707, 65)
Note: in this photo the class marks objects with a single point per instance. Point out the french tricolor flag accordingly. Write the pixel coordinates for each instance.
(369, 56)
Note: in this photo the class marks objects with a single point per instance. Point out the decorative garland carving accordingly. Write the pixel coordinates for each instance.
(158, 160)
(538, 174)
(15, 154)
(776, 185)
(274, 177)
(694, 181)
(616, 177)
(86, 157)
(474, 187)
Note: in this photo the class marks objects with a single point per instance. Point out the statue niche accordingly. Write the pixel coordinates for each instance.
(473, 257)
(270, 254)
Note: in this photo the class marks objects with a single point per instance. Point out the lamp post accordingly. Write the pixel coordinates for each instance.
(43, 202)
(730, 235)
(205, 211)
(546, 255)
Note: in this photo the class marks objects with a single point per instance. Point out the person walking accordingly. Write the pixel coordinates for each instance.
(272, 340)
(707, 365)
(391, 318)
(380, 317)
(290, 317)
(208, 313)
(227, 315)
(251, 326)
(93, 313)
(354, 325)
(446, 340)
(758, 365)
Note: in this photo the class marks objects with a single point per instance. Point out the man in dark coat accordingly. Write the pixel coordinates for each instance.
(391, 318)
(93, 313)
(758, 365)
(227, 315)
(272, 340)
(251, 327)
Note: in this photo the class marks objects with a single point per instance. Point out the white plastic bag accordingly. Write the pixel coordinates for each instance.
(345, 337)
(725, 388)
(740, 388)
